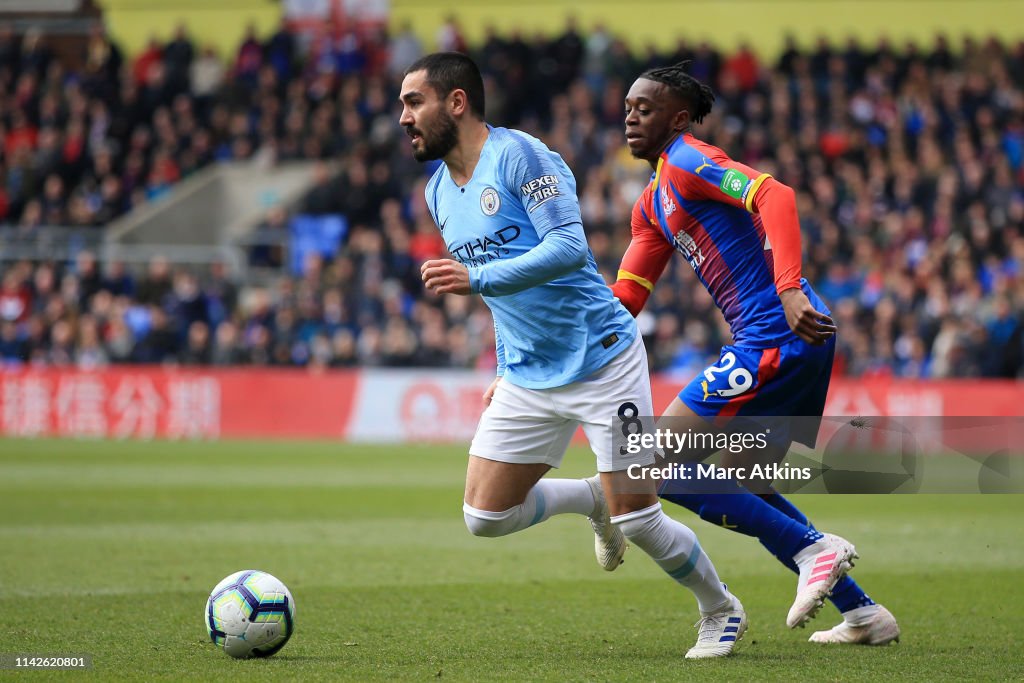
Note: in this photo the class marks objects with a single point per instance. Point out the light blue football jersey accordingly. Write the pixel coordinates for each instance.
(550, 332)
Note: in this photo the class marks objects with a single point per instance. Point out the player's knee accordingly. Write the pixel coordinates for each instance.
(489, 524)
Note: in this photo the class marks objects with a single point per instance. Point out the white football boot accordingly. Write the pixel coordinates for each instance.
(718, 633)
(821, 565)
(874, 625)
(609, 542)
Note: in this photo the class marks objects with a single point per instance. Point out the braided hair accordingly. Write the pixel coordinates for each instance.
(699, 96)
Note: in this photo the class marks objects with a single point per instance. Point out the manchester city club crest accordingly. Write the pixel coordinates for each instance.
(490, 202)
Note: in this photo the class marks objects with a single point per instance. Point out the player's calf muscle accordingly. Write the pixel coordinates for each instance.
(627, 495)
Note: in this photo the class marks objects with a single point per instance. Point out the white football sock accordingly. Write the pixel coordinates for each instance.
(547, 497)
(675, 549)
(860, 616)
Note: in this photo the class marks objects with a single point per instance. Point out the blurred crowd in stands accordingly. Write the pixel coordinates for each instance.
(908, 162)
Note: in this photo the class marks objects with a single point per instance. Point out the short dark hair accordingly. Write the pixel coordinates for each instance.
(447, 71)
(698, 95)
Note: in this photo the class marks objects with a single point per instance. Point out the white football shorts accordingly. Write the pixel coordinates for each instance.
(536, 425)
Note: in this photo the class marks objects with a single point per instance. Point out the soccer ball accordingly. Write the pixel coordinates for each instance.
(250, 614)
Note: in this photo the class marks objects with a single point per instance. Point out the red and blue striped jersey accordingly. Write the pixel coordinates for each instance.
(700, 203)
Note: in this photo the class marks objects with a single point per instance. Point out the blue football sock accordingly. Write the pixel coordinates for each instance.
(728, 505)
(846, 595)
(780, 503)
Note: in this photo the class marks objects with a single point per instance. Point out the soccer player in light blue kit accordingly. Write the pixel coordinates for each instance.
(568, 352)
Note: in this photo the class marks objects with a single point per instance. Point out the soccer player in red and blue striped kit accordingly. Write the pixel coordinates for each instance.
(738, 228)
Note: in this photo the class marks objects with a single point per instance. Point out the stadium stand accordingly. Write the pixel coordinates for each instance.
(908, 163)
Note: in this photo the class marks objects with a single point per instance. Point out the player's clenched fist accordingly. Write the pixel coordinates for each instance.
(445, 276)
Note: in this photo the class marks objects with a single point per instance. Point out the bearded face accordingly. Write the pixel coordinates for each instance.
(434, 137)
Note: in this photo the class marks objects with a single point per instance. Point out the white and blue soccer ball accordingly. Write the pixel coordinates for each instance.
(250, 614)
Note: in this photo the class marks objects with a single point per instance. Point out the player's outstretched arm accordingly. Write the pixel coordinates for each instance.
(776, 204)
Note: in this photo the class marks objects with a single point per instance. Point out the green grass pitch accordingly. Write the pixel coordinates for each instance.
(110, 549)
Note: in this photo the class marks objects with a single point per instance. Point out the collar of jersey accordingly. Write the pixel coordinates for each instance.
(663, 157)
(487, 142)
